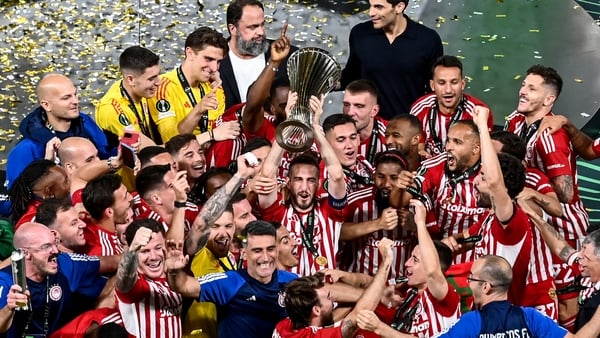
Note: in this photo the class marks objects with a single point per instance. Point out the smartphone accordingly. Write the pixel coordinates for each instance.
(130, 137)
(128, 156)
(127, 151)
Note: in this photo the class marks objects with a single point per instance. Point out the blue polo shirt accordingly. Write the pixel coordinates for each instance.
(245, 306)
(77, 280)
(502, 319)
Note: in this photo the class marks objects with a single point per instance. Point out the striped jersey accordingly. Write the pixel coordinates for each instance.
(99, 241)
(456, 207)
(362, 253)
(426, 106)
(540, 266)
(325, 237)
(376, 141)
(553, 154)
(513, 242)
(150, 309)
(435, 315)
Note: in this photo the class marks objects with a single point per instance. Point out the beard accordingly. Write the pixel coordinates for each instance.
(381, 201)
(251, 47)
(327, 319)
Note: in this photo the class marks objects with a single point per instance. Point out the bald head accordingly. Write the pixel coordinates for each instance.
(75, 152)
(29, 233)
(497, 270)
(50, 83)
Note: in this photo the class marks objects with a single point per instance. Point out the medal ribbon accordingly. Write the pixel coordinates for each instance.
(433, 116)
(307, 232)
(203, 123)
(143, 120)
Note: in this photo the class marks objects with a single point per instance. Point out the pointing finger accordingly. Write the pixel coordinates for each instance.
(284, 29)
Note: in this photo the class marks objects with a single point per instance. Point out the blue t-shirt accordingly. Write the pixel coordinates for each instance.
(77, 279)
(502, 319)
(245, 306)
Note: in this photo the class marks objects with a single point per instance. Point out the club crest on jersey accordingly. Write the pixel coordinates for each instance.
(281, 299)
(163, 106)
(55, 292)
(124, 120)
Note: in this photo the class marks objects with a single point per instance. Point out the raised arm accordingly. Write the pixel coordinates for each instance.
(491, 172)
(370, 298)
(214, 207)
(336, 180)
(436, 281)
(252, 117)
(180, 185)
(127, 273)
(553, 239)
(178, 280)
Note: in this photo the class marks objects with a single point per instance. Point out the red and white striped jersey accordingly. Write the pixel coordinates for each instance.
(422, 109)
(540, 266)
(99, 241)
(364, 149)
(150, 309)
(141, 210)
(434, 315)
(456, 207)
(221, 153)
(553, 154)
(326, 233)
(363, 253)
(359, 177)
(513, 243)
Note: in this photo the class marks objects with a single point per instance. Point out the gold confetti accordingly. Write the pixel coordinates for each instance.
(534, 31)
(486, 68)
(518, 76)
(578, 80)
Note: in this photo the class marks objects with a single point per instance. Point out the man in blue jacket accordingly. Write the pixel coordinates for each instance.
(56, 118)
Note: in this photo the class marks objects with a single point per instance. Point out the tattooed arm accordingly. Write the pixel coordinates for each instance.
(127, 273)
(555, 242)
(563, 185)
(214, 207)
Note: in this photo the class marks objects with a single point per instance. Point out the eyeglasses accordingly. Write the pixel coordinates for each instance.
(46, 247)
(471, 279)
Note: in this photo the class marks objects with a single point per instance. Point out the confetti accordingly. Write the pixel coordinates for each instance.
(578, 80)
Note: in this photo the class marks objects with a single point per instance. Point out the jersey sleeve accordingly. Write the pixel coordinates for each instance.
(219, 288)
(140, 289)
(541, 325)
(448, 305)
(274, 212)
(82, 272)
(515, 231)
(165, 107)
(555, 151)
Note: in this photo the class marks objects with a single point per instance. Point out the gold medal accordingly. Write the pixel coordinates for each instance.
(322, 261)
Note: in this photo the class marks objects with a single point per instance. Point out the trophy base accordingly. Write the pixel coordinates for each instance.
(294, 136)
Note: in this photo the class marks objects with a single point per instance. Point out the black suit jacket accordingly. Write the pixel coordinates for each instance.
(232, 92)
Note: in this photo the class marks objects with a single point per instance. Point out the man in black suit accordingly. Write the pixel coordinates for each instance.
(249, 50)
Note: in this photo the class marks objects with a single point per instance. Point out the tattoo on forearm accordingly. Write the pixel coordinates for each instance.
(564, 188)
(348, 328)
(214, 207)
(566, 252)
(127, 271)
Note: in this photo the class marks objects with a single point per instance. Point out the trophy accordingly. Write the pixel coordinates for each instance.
(312, 71)
(19, 275)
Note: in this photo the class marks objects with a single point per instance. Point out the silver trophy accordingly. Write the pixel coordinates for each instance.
(19, 275)
(312, 71)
